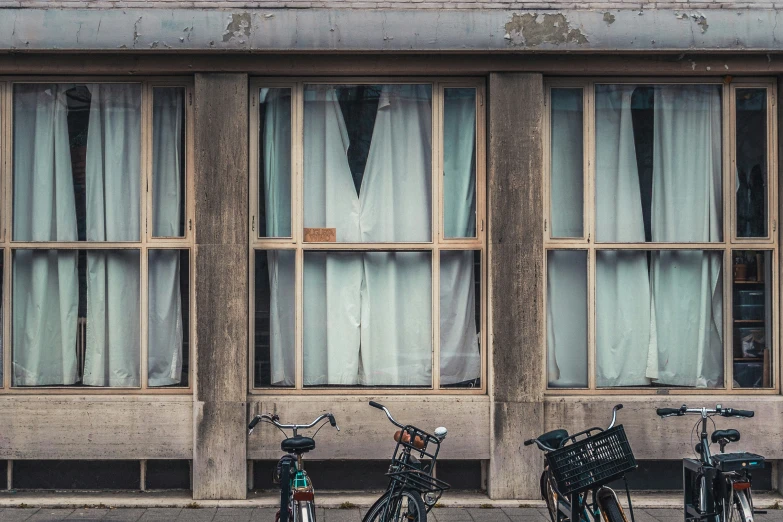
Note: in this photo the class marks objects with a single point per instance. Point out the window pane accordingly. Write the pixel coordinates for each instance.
(275, 312)
(659, 318)
(459, 162)
(169, 318)
(752, 285)
(460, 319)
(2, 309)
(76, 317)
(77, 162)
(567, 163)
(751, 162)
(367, 163)
(567, 318)
(168, 162)
(274, 151)
(367, 318)
(658, 163)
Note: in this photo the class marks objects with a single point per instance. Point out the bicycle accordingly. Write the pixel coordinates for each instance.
(413, 489)
(297, 496)
(576, 467)
(717, 488)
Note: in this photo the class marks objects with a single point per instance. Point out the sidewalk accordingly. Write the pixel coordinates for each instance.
(504, 514)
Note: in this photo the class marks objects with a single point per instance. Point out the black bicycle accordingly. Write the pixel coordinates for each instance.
(413, 489)
(717, 488)
(297, 496)
(577, 465)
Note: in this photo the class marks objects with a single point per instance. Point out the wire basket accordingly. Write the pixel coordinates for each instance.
(417, 480)
(591, 462)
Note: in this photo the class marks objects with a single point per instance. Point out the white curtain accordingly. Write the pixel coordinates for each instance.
(276, 156)
(686, 207)
(567, 319)
(567, 171)
(332, 282)
(45, 283)
(460, 359)
(165, 297)
(113, 182)
(623, 329)
(659, 320)
(368, 316)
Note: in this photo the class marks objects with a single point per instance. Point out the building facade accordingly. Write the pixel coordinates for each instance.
(501, 217)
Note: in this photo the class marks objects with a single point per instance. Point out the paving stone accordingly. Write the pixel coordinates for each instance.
(197, 514)
(451, 515)
(50, 515)
(124, 515)
(488, 515)
(16, 514)
(265, 515)
(342, 515)
(159, 514)
(88, 514)
(235, 515)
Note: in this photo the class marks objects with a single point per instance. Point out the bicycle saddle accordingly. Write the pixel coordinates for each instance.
(553, 438)
(297, 444)
(729, 435)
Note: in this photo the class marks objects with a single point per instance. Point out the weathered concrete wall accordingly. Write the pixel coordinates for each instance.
(391, 4)
(516, 105)
(676, 28)
(220, 409)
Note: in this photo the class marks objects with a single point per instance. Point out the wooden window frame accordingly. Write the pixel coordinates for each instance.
(437, 244)
(729, 243)
(145, 243)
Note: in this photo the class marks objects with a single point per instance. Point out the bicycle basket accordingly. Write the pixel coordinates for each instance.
(418, 480)
(591, 462)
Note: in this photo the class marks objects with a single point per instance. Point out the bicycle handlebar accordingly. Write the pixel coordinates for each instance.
(544, 447)
(704, 412)
(274, 420)
(388, 414)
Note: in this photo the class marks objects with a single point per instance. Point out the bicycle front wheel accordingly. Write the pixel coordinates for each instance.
(402, 506)
(610, 506)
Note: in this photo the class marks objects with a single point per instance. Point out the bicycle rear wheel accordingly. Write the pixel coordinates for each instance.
(285, 491)
(549, 494)
(740, 510)
(402, 506)
(610, 506)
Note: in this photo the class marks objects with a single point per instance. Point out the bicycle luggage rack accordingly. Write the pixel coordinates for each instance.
(591, 462)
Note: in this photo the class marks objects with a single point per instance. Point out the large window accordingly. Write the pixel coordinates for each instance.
(97, 250)
(660, 235)
(367, 233)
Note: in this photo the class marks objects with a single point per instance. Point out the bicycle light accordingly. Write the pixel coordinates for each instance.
(441, 432)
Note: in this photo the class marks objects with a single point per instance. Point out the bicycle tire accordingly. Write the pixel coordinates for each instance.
(740, 509)
(285, 491)
(548, 494)
(304, 511)
(610, 508)
(417, 514)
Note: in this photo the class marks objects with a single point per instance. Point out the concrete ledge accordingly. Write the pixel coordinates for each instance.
(182, 499)
(351, 30)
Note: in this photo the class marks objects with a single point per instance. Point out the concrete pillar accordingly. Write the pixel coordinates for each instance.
(221, 165)
(515, 151)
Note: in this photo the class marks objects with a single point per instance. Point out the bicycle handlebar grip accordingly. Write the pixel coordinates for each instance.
(618, 407)
(742, 413)
(331, 420)
(667, 411)
(376, 405)
(530, 442)
(253, 423)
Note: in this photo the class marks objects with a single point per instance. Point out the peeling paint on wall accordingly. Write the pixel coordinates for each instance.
(609, 18)
(238, 27)
(532, 30)
(701, 21)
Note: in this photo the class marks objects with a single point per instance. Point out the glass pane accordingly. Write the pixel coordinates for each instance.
(367, 163)
(567, 318)
(459, 162)
(274, 160)
(460, 319)
(168, 162)
(752, 289)
(367, 318)
(751, 162)
(2, 309)
(169, 317)
(76, 318)
(659, 318)
(77, 162)
(658, 163)
(275, 311)
(567, 163)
